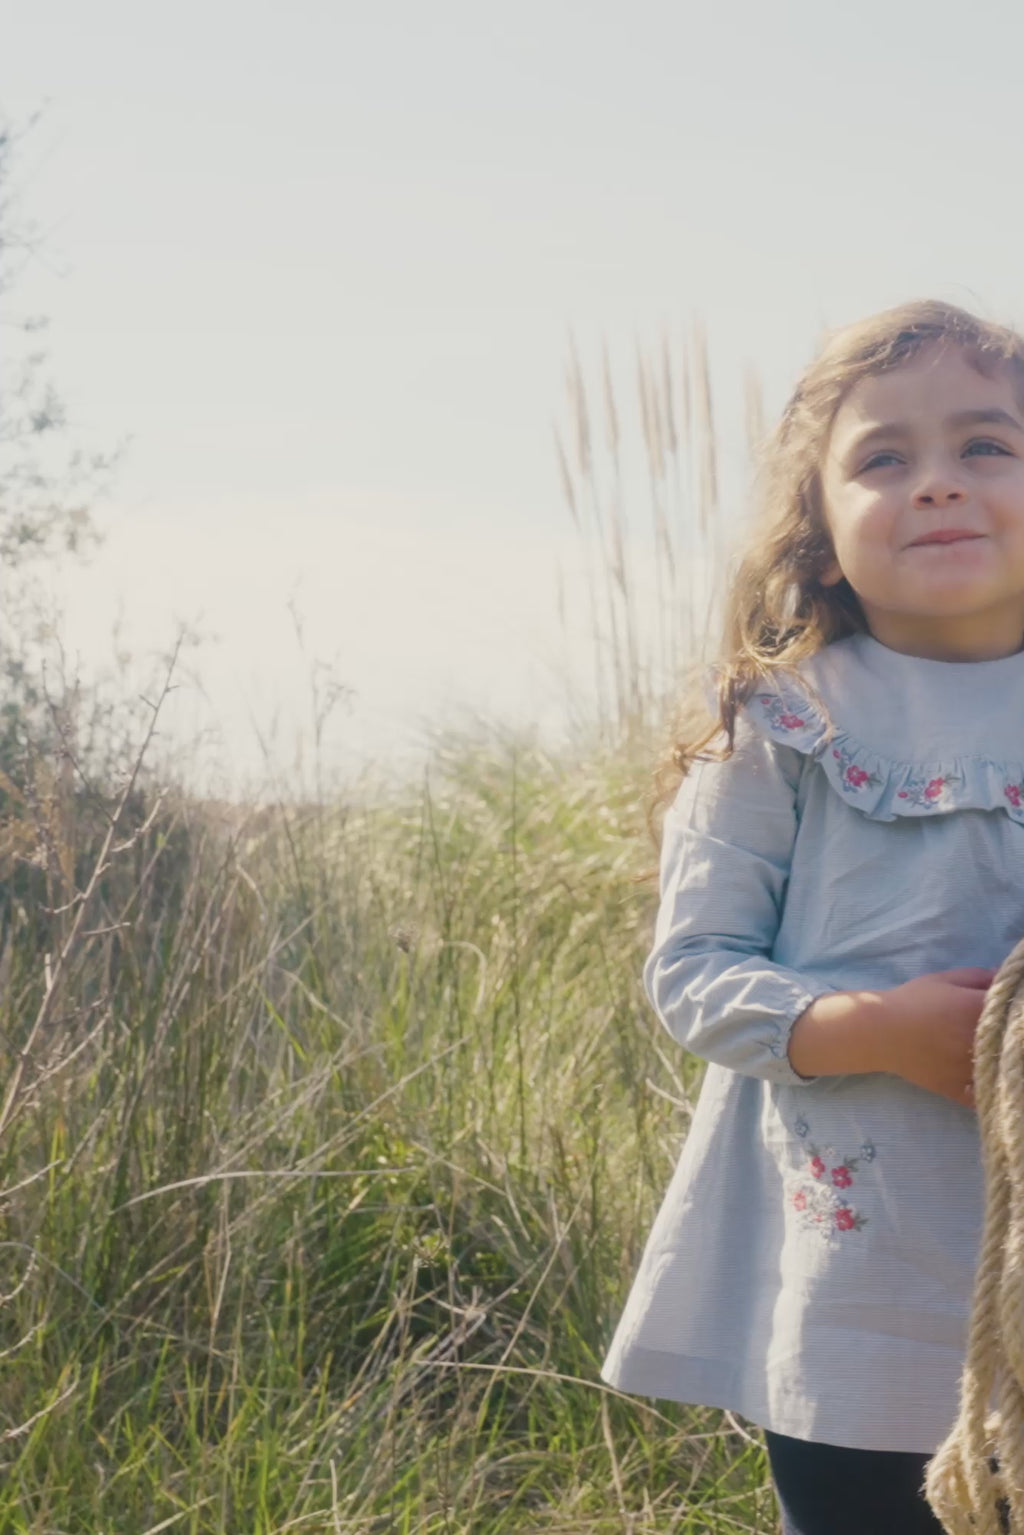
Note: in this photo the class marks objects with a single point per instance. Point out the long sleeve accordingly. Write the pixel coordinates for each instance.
(725, 858)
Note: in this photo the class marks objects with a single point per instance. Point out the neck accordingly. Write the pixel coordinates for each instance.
(956, 640)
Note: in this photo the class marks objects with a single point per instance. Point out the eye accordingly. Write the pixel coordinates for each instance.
(877, 460)
(986, 445)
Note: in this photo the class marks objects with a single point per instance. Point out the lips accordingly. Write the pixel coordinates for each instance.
(946, 536)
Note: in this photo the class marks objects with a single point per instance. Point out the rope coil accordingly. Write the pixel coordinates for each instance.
(975, 1480)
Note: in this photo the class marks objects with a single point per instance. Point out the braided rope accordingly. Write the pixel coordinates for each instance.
(982, 1460)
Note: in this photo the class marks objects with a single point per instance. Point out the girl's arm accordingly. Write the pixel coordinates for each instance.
(922, 1031)
(844, 1031)
(725, 860)
(726, 856)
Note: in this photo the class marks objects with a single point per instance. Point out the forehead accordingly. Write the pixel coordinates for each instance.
(939, 381)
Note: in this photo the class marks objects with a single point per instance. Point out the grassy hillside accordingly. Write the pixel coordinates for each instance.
(330, 1137)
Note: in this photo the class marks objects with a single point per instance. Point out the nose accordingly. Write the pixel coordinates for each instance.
(938, 486)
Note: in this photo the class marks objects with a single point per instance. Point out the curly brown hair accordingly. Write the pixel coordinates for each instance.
(778, 609)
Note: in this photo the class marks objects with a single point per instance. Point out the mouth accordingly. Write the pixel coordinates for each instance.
(948, 536)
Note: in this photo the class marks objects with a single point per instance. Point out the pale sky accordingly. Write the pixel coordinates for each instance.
(319, 262)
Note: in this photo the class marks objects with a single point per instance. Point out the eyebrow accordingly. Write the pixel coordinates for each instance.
(992, 416)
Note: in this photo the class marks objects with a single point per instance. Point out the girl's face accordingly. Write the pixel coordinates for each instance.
(933, 447)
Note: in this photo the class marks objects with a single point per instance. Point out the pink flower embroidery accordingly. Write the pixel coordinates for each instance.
(928, 792)
(780, 715)
(852, 774)
(818, 1204)
(1012, 792)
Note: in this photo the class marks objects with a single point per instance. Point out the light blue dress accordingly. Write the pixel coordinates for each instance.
(812, 1263)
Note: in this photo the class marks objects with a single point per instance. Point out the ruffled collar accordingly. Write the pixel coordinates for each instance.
(901, 735)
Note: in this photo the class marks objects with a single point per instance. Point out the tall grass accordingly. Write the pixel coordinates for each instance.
(329, 1139)
(653, 582)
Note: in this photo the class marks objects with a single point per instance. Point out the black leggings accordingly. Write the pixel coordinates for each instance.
(824, 1489)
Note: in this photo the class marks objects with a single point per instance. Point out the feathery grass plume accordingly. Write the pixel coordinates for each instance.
(619, 559)
(569, 491)
(672, 441)
(615, 658)
(664, 562)
(645, 647)
(708, 505)
(611, 414)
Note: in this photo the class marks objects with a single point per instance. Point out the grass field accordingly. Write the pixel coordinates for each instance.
(329, 1140)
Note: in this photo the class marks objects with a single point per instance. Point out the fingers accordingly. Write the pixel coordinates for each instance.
(971, 976)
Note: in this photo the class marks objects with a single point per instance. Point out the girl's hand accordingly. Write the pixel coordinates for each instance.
(929, 1033)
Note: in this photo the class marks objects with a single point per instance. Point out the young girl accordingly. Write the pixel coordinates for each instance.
(840, 880)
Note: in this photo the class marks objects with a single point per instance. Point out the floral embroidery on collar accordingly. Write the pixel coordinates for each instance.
(928, 791)
(886, 788)
(780, 715)
(854, 777)
(820, 1200)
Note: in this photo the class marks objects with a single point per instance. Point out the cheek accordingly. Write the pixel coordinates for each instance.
(1006, 495)
(859, 520)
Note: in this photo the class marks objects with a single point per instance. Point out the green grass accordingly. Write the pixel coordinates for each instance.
(326, 1224)
(330, 1134)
